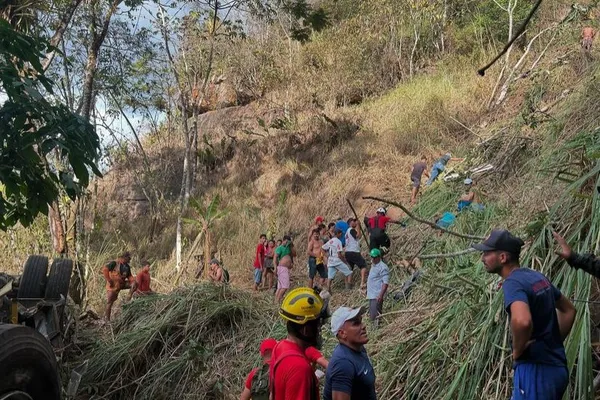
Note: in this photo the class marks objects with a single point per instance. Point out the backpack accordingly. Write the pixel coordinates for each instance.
(259, 387)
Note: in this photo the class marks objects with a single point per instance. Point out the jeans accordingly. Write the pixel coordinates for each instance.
(435, 171)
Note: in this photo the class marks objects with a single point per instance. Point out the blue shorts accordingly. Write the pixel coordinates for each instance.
(257, 275)
(540, 382)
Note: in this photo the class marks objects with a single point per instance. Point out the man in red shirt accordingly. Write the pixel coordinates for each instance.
(291, 374)
(259, 260)
(257, 382)
(143, 280)
(376, 226)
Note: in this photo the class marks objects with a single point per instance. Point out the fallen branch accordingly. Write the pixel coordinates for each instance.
(424, 221)
(447, 255)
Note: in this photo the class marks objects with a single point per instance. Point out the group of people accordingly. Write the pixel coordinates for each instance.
(540, 319)
(332, 249)
(118, 276)
(289, 367)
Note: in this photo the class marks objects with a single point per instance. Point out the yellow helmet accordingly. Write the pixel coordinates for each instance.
(301, 305)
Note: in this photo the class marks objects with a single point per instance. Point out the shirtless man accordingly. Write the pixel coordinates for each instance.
(284, 260)
(587, 38)
(318, 221)
(315, 260)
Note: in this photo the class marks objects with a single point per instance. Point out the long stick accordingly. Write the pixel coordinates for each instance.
(447, 255)
(512, 40)
(424, 221)
(359, 224)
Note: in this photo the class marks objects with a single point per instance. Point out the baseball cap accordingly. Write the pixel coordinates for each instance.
(215, 261)
(500, 239)
(319, 219)
(342, 315)
(468, 181)
(266, 345)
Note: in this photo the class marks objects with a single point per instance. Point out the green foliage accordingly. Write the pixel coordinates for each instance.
(32, 128)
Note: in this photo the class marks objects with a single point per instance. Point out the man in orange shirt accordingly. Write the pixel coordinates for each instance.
(118, 276)
(291, 375)
(143, 280)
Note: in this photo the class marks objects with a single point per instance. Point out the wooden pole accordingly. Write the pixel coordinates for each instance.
(359, 224)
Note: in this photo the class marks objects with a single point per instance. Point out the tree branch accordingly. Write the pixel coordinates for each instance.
(424, 221)
(60, 31)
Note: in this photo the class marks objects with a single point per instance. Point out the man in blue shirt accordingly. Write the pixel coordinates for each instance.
(349, 375)
(343, 227)
(540, 319)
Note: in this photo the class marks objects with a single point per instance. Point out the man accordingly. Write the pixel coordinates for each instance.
(284, 260)
(143, 281)
(118, 276)
(352, 254)
(336, 260)
(350, 375)
(379, 279)
(291, 374)
(439, 166)
(342, 226)
(259, 261)
(586, 262)
(318, 221)
(330, 229)
(216, 272)
(418, 170)
(540, 319)
(469, 198)
(257, 382)
(587, 38)
(377, 225)
(315, 260)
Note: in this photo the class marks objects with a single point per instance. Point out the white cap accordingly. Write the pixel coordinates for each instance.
(468, 181)
(342, 315)
(382, 210)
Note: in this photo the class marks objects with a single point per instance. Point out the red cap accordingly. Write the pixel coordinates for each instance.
(267, 345)
(319, 219)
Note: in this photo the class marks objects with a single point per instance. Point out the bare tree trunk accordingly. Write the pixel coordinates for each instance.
(60, 31)
(57, 231)
(414, 50)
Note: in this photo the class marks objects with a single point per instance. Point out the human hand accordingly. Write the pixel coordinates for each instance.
(379, 299)
(565, 250)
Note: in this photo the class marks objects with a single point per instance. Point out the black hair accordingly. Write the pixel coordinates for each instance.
(512, 258)
(330, 225)
(321, 226)
(350, 220)
(262, 235)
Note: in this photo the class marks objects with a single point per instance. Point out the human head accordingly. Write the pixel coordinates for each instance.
(375, 255)
(319, 220)
(501, 249)
(125, 256)
(263, 238)
(347, 326)
(337, 232)
(286, 239)
(423, 158)
(271, 243)
(279, 242)
(145, 266)
(315, 234)
(381, 211)
(322, 229)
(214, 263)
(468, 182)
(266, 348)
(331, 227)
(302, 308)
(352, 222)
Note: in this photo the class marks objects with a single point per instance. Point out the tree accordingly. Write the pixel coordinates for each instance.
(31, 128)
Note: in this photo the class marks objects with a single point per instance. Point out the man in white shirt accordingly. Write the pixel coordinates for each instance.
(377, 285)
(336, 260)
(352, 253)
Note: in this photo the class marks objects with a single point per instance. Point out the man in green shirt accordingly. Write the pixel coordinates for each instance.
(283, 259)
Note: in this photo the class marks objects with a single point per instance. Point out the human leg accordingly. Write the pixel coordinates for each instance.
(312, 270)
(257, 278)
(111, 297)
(435, 171)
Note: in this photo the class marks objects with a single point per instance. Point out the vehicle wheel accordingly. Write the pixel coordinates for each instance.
(33, 280)
(27, 364)
(59, 278)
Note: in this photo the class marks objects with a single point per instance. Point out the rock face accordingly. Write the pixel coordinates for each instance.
(121, 197)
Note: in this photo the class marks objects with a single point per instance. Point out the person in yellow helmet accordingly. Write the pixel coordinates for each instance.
(291, 373)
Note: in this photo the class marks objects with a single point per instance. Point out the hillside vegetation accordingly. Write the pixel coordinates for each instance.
(340, 114)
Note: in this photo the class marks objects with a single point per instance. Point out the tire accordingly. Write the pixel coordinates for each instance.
(27, 363)
(33, 280)
(59, 279)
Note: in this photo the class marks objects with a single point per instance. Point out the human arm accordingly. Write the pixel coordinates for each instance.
(385, 277)
(316, 357)
(341, 374)
(246, 394)
(586, 262)
(565, 311)
(521, 326)
(275, 258)
(309, 249)
(260, 255)
(219, 275)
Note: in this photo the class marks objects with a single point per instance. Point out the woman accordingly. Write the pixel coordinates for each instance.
(269, 270)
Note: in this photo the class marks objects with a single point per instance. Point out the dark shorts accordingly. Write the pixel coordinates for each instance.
(269, 264)
(378, 241)
(313, 268)
(355, 260)
(415, 181)
(375, 309)
(539, 382)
